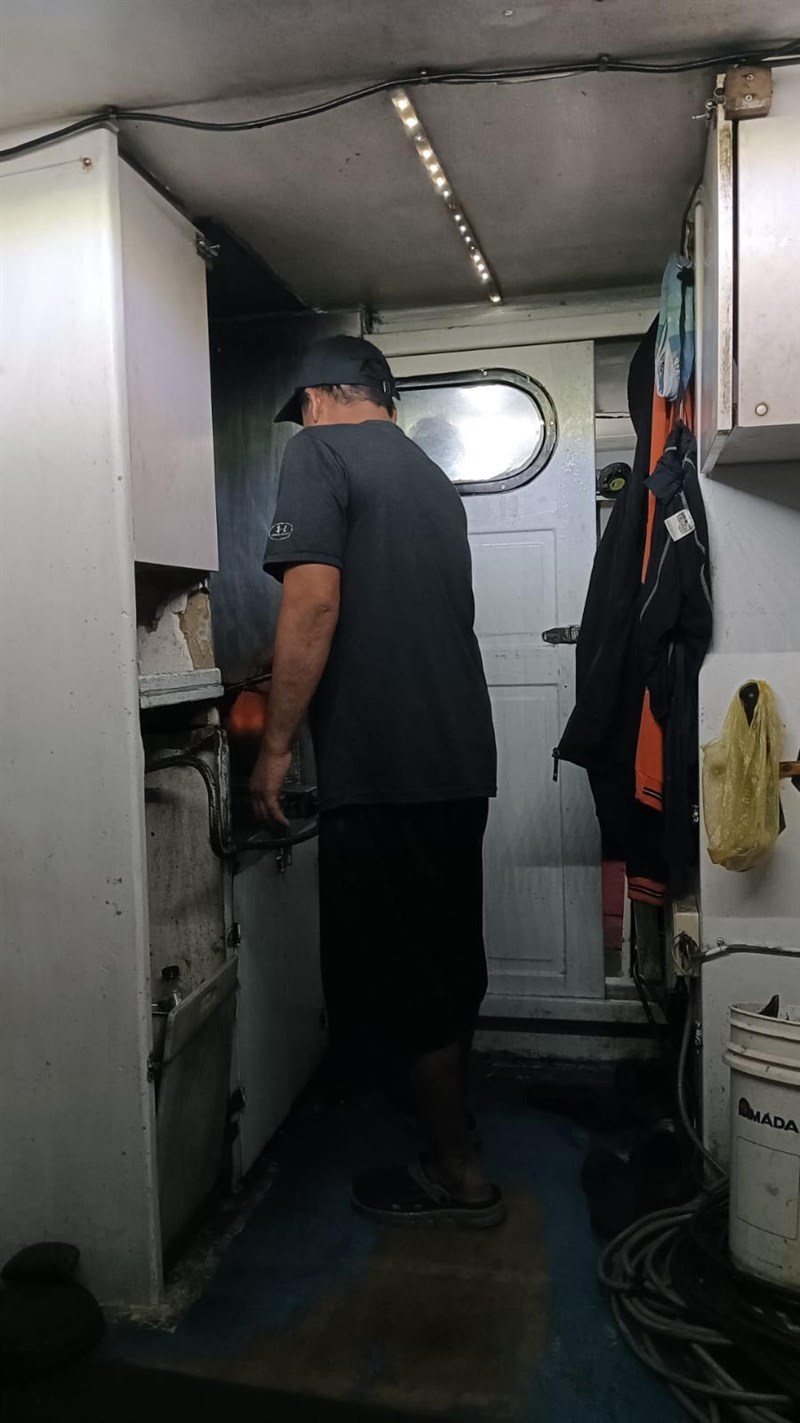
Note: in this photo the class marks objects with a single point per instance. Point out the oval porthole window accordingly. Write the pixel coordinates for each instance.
(488, 430)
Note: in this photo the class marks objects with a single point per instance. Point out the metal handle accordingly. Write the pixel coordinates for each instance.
(555, 637)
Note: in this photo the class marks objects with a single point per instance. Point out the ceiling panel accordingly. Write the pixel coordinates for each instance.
(62, 56)
(570, 183)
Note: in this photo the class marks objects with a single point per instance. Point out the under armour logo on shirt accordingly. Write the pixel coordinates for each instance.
(281, 531)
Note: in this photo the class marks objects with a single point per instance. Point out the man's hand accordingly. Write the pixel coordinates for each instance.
(267, 782)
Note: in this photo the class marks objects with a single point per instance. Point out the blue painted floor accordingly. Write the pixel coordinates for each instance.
(505, 1326)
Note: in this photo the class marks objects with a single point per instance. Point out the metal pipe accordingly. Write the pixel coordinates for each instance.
(222, 842)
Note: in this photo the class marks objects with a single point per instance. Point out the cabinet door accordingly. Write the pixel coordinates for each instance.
(714, 296)
(168, 381)
(768, 278)
(280, 1033)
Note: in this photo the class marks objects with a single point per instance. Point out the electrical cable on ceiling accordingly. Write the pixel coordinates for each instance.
(788, 53)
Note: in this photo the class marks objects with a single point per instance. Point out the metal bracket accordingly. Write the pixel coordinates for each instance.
(209, 251)
(283, 860)
(747, 92)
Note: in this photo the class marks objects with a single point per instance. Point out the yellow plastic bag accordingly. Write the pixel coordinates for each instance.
(741, 783)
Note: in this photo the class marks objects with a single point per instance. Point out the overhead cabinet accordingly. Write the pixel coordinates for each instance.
(747, 254)
(168, 380)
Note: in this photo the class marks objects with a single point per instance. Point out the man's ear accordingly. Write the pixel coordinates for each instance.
(311, 407)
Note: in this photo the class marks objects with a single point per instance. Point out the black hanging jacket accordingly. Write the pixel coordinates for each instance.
(674, 632)
(602, 730)
(635, 635)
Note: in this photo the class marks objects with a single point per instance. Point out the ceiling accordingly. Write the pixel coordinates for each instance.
(570, 184)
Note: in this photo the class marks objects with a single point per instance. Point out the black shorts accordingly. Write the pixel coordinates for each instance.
(401, 902)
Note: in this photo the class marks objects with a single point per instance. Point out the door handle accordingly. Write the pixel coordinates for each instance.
(558, 636)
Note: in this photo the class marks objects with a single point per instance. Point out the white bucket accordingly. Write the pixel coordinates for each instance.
(764, 1226)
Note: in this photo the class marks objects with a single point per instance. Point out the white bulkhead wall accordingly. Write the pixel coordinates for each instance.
(751, 921)
(77, 1109)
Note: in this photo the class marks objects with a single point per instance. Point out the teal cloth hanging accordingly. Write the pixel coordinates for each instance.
(675, 336)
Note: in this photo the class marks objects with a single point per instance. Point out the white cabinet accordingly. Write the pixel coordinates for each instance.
(105, 419)
(747, 251)
(76, 1115)
(168, 381)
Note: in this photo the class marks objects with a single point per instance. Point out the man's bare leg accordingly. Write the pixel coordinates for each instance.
(437, 1080)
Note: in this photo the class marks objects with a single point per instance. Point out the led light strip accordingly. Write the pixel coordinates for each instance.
(425, 152)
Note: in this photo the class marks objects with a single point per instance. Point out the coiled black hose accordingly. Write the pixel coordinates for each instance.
(727, 1345)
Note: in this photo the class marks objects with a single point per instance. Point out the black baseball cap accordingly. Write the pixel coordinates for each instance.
(339, 360)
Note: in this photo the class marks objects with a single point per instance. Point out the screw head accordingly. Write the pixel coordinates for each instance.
(86, 162)
(762, 408)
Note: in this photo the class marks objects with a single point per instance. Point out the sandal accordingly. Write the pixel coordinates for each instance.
(409, 1196)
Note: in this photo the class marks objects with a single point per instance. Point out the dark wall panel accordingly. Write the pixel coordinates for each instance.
(254, 363)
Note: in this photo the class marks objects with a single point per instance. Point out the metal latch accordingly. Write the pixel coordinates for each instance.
(205, 249)
(747, 91)
(558, 636)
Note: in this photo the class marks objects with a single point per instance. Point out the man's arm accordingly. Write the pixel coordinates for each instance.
(307, 622)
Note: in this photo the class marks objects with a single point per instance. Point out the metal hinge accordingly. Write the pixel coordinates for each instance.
(209, 251)
(747, 92)
(153, 1067)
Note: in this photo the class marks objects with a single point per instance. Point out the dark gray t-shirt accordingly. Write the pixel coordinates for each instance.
(402, 713)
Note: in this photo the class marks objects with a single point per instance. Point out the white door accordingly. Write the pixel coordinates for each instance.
(532, 548)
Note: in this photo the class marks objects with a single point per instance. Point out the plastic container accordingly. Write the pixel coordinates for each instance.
(764, 1223)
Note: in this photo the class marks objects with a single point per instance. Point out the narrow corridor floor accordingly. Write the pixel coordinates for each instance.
(502, 1326)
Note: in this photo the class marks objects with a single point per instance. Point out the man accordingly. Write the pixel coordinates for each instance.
(375, 639)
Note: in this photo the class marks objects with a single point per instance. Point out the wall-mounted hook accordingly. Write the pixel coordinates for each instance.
(748, 696)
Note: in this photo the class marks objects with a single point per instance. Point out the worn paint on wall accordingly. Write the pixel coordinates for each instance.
(185, 880)
(173, 631)
(195, 624)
